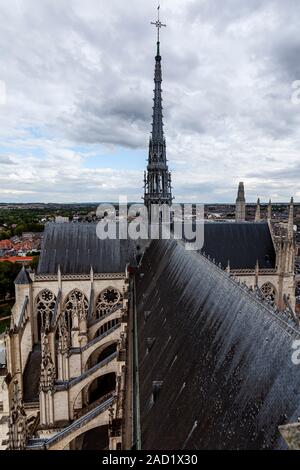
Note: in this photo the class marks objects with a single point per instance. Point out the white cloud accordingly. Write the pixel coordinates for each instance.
(78, 75)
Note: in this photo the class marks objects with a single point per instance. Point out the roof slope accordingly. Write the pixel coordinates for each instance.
(76, 247)
(223, 356)
(241, 243)
(23, 277)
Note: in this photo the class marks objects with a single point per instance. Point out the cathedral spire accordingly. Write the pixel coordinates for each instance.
(157, 179)
(157, 122)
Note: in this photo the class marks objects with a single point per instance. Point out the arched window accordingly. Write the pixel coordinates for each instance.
(75, 303)
(269, 292)
(45, 304)
(108, 299)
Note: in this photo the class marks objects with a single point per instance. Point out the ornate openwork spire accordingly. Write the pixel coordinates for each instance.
(157, 178)
(157, 123)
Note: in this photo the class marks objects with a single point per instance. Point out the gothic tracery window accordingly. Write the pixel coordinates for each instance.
(269, 292)
(107, 299)
(107, 326)
(45, 304)
(75, 304)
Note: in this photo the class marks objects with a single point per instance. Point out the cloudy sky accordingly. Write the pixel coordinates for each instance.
(76, 81)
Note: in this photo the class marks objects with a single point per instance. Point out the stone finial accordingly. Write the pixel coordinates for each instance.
(59, 274)
(256, 273)
(257, 212)
(228, 267)
(269, 215)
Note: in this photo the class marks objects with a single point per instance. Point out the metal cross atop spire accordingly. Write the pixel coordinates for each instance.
(158, 23)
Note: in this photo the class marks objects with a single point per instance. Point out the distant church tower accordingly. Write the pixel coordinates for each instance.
(240, 208)
(157, 180)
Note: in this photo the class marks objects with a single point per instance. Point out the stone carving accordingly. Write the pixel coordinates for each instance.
(63, 336)
(76, 305)
(108, 298)
(45, 305)
(18, 428)
(48, 374)
(269, 292)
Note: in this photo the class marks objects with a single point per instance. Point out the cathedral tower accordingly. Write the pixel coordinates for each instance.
(240, 208)
(157, 180)
(291, 220)
(257, 211)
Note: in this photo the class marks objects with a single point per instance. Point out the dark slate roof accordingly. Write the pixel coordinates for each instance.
(76, 247)
(23, 277)
(241, 243)
(223, 356)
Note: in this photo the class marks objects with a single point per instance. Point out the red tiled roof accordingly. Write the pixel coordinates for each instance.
(6, 245)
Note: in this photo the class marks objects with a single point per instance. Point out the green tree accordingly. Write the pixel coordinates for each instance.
(5, 234)
(8, 274)
(34, 263)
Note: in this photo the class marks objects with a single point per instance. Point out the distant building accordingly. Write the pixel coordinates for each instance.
(61, 220)
(28, 235)
(6, 245)
(15, 239)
